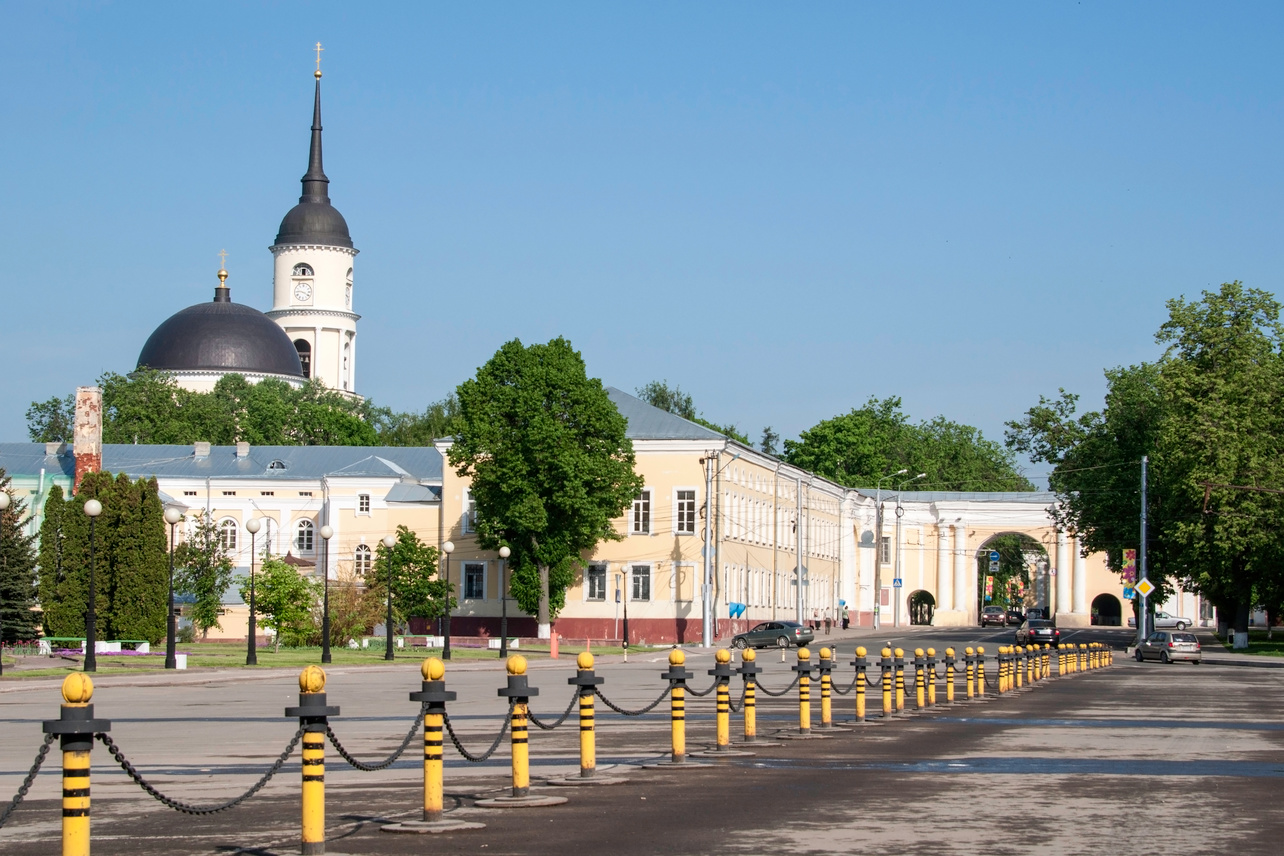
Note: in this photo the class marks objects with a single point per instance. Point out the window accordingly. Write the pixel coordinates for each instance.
(303, 536)
(302, 270)
(474, 581)
(229, 493)
(189, 493)
(227, 534)
(641, 582)
(596, 578)
(361, 561)
(277, 465)
(267, 493)
(305, 493)
(885, 550)
(686, 515)
(363, 503)
(469, 522)
(641, 524)
(305, 355)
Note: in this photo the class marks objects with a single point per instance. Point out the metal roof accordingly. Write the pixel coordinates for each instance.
(28, 459)
(1033, 497)
(652, 423)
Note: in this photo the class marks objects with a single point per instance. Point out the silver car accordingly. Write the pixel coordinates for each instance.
(1167, 646)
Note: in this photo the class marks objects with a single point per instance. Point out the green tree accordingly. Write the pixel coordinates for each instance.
(417, 591)
(136, 566)
(203, 570)
(438, 420)
(49, 568)
(770, 443)
(659, 394)
(858, 448)
(284, 600)
(17, 570)
(550, 463)
(51, 421)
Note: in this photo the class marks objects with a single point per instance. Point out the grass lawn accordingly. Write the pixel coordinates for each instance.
(1259, 644)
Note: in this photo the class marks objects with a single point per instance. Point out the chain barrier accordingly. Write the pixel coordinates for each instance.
(850, 686)
(877, 683)
(530, 714)
(468, 756)
(650, 707)
(385, 763)
(187, 808)
(26, 783)
(990, 682)
(736, 706)
(792, 684)
(698, 693)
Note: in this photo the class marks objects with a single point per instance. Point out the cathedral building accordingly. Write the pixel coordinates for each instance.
(311, 329)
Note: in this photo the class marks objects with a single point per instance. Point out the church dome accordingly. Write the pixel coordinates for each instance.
(221, 336)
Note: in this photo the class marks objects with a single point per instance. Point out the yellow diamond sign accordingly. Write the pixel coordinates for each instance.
(1144, 588)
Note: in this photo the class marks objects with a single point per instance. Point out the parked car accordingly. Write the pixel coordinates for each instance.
(1164, 620)
(1015, 616)
(1167, 646)
(994, 615)
(782, 634)
(1038, 631)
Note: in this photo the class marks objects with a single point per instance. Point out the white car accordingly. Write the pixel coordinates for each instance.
(1163, 621)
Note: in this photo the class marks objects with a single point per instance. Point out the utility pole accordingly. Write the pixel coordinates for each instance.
(1141, 557)
(798, 548)
(706, 582)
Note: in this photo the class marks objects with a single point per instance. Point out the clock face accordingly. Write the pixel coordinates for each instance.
(302, 292)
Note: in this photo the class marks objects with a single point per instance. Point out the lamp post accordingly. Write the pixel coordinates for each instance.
(707, 615)
(389, 541)
(172, 517)
(900, 512)
(4, 506)
(504, 553)
(878, 545)
(326, 534)
(447, 548)
(253, 525)
(624, 580)
(93, 508)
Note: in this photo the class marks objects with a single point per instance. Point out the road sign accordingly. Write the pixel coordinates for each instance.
(994, 555)
(1128, 592)
(896, 583)
(1144, 588)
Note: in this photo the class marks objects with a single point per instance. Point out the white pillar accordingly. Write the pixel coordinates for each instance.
(1080, 579)
(960, 567)
(1064, 572)
(944, 574)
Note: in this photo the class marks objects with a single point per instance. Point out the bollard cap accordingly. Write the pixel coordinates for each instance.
(949, 652)
(969, 650)
(312, 680)
(677, 657)
(78, 688)
(432, 669)
(860, 651)
(886, 652)
(918, 652)
(748, 655)
(931, 652)
(980, 649)
(584, 660)
(899, 652)
(722, 655)
(804, 653)
(517, 665)
(826, 654)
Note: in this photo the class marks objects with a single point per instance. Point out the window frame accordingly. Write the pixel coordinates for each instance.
(644, 503)
(363, 504)
(679, 512)
(640, 571)
(596, 571)
(225, 526)
(302, 525)
(362, 560)
(468, 516)
(885, 550)
(466, 568)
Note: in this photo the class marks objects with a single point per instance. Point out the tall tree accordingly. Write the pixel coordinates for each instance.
(438, 420)
(417, 591)
(51, 421)
(550, 463)
(203, 570)
(136, 569)
(17, 570)
(50, 587)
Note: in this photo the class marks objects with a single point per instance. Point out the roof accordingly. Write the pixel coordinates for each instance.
(19, 459)
(651, 423)
(1033, 497)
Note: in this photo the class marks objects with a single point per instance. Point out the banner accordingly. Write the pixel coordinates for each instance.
(1130, 566)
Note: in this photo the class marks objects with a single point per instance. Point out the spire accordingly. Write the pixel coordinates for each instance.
(315, 182)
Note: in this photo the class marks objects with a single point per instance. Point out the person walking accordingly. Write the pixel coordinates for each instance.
(828, 622)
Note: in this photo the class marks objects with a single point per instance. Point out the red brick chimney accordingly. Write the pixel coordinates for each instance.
(87, 446)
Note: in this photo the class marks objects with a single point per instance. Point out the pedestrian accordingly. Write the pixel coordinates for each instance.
(815, 620)
(847, 619)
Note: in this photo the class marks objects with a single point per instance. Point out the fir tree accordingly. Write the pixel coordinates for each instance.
(49, 563)
(17, 571)
(135, 576)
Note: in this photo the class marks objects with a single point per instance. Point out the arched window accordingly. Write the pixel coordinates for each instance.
(361, 560)
(227, 534)
(305, 355)
(302, 270)
(277, 465)
(303, 536)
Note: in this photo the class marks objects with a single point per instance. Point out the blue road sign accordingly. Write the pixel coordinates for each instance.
(896, 583)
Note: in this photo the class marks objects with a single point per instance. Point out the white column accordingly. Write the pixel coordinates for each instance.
(944, 574)
(960, 567)
(1064, 572)
(1080, 579)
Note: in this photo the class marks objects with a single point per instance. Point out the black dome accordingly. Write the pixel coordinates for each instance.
(314, 223)
(221, 336)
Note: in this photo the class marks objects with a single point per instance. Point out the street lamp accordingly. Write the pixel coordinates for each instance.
(389, 541)
(624, 579)
(4, 506)
(253, 525)
(900, 512)
(326, 534)
(172, 516)
(878, 544)
(707, 616)
(504, 553)
(93, 508)
(447, 548)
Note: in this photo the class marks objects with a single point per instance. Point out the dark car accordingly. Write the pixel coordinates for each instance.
(782, 634)
(1038, 631)
(993, 615)
(1015, 616)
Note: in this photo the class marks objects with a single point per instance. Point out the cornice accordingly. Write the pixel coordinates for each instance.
(276, 249)
(326, 313)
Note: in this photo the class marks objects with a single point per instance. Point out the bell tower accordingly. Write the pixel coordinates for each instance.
(312, 280)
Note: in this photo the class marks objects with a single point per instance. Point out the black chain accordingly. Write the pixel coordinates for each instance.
(385, 763)
(850, 686)
(989, 682)
(782, 692)
(542, 726)
(736, 706)
(188, 808)
(468, 756)
(26, 783)
(877, 683)
(650, 707)
(698, 693)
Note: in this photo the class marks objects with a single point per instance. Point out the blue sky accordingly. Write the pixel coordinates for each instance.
(785, 209)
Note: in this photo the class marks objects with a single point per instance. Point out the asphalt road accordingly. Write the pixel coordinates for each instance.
(1139, 758)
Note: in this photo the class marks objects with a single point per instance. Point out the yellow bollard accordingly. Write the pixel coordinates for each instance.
(521, 737)
(949, 676)
(433, 669)
(970, 666)
(931, 677)
(723, 658)
(1017, 654)
(1083, 657)
(885, 666)
(804, 690)
(1001, 660)
(1031, 659)
(748, 669)
(899, 664)
(980, 672)
(588, 735)
(75, 728)
(920, 691)
(825, 666)
(861, 666)
(313, 716)
(678, 707)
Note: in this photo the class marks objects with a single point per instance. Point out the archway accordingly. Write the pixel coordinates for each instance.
(921, 607)
(1107, 611)
(1021, 581)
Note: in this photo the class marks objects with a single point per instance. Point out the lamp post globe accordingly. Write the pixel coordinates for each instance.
(447, 548)
(4, 506)
(173, 515)
(389, 541)
(253, 525)
(326, 533)
(93, 508)
(504, 553)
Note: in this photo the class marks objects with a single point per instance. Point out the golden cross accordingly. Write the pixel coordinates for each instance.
(319, 49)
(222, 258)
